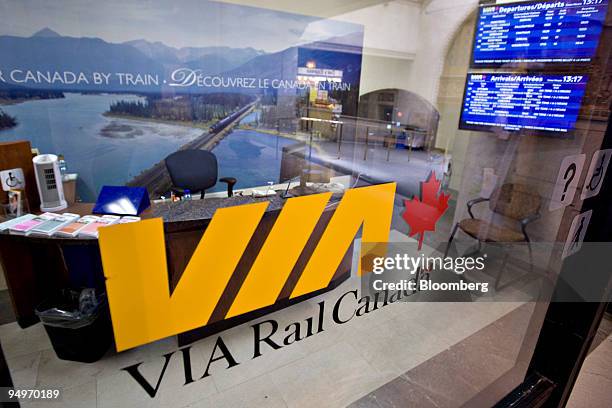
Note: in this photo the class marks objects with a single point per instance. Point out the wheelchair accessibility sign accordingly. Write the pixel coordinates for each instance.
(597, 173)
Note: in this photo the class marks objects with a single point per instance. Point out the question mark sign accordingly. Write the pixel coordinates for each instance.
(569, 178)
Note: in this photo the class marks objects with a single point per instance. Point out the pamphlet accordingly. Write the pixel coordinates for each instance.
(72, 229)
(25, 226)
(47, 228)
(128, 219)
(91, 230)
(8, 224)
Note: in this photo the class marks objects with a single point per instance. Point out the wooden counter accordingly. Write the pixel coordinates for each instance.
(35, 267)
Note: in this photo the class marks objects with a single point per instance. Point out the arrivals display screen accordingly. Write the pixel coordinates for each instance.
(513, 102)
(538, 31)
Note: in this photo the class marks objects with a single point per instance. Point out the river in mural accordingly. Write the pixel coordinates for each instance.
(102, 150)
(115, 90)
(254, 158)
(110, 151)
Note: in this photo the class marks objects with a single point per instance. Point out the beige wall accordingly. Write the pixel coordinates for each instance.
(424, 47)
(391, 42)
(450, 96)
(390, 27)
(384, 73)
(440, 21)
(405, 42)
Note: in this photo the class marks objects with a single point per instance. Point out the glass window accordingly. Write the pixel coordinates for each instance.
(329, 203)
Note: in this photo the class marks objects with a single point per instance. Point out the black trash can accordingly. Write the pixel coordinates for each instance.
(78, 324)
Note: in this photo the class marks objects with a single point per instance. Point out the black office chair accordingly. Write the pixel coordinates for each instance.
(195, 170)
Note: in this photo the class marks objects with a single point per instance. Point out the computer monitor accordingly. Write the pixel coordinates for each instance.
(512, 102)
(538, 32)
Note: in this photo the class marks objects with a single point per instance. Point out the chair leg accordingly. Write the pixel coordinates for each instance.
(450, 240)
(530, 257)
(501, 272)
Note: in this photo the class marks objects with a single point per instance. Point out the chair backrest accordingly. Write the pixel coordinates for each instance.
(515, 201)
(192, 169)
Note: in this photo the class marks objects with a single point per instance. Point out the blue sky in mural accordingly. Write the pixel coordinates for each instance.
(178, 24)
(117, 85)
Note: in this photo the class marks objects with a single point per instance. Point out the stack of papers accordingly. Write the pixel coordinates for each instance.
(72, 229)
(48, 228)
(91, 229)
(25, 226)
(8, 224)
(128, 219)
(65, 225)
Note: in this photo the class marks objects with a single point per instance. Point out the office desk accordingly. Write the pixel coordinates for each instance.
(36, 267)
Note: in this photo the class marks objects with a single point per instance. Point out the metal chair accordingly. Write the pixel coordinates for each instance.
(514, 201)
(195, 170)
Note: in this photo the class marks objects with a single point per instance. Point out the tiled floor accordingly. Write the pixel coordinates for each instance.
(331, 369)
(6, 309)
(456, 375)
(603, 332)
(592, 388)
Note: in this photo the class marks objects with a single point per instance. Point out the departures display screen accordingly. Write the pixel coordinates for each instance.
(538, 31)
(512, 102)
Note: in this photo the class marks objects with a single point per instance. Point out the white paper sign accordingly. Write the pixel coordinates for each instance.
(577, 233)
(597, 173)
(567, 181)
(12, 179)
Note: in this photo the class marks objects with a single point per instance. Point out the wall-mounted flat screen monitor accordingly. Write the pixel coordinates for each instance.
(538, 32)
(512, 102)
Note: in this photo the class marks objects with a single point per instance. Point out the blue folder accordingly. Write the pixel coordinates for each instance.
(121, 200)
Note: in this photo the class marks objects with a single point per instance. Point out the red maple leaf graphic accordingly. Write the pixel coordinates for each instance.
(422, 215)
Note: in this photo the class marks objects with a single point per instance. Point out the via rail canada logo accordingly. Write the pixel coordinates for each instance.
(145, 306)
(423, 213)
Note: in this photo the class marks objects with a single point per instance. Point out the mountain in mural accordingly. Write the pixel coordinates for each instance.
(45, 51)
(155, 50)
(236, 56)
(335, 53)
(46, 32)
(282, 64)
(208, 59)
(48, 51)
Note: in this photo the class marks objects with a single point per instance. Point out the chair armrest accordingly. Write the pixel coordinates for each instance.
(230, 181)
(526, 221)
(473, 202)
